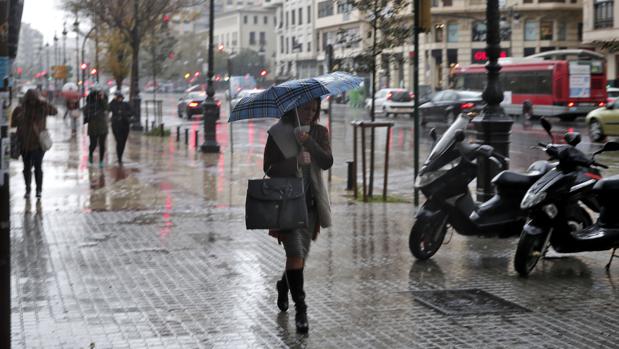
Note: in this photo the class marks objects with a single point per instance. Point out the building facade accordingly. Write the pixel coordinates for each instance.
(527, 26)
(601, 33)
(30, 51)
(249, 28)
(296, 44)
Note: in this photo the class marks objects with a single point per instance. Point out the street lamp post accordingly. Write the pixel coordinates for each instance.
(76, 28)
(211, 109)
(64, 44)
(84, 59)
(493, 126)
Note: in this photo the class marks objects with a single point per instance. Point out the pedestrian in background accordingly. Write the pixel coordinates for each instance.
(31, 119)
(73, 110)
(315, 156)
(121, 121)
(95, 114)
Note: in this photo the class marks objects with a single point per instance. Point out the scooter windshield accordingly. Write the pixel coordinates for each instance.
(448, 139)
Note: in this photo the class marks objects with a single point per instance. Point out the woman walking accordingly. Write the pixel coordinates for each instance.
(121, 120)
(314, 156)
(31, 119)
(95, 113)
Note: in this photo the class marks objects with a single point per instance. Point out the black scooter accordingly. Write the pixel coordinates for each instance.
(444, 180)
(555, 217)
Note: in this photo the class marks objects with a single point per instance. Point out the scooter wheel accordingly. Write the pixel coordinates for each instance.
(529, 251)
(427, 235)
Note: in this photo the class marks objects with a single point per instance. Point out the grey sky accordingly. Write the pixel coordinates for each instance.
(46, 16)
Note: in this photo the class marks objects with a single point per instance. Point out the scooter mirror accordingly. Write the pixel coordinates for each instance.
(547, 127)
(611, 146)
(433, 134)
(459, 136)
(572, 138)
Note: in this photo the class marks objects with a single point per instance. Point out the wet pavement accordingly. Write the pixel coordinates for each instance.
(155, 254)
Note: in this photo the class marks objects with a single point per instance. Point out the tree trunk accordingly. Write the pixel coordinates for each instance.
(119, 84)
(135, 68)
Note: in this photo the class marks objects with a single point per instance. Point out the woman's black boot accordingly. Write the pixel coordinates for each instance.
(282, 293)
(295, 281)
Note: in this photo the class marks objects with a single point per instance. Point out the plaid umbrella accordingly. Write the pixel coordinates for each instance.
(277, 100)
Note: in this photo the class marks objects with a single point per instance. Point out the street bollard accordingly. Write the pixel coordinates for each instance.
(196, 138)
(351, 178)
(161, 129)
(178, 134)
(186, 136)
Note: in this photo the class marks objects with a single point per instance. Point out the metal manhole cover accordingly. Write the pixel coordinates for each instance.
(466, 302)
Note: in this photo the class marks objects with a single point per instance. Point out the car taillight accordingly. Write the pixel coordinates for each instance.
(601, 104)
(571, 104)
(193, 104)
(467, 105)
(389, 94)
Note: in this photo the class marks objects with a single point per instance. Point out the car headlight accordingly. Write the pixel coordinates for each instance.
(532, 199)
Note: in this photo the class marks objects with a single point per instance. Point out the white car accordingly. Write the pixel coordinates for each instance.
(613, 94)
(243, 94)
(391, 101)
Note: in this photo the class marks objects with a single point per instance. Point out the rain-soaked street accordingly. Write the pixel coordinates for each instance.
(155, 254)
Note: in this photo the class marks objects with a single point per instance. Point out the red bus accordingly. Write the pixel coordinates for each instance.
(565, 86)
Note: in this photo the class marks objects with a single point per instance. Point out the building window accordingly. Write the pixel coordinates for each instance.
(479, 31)
(309, 14)
(244, 19)
(579, 32)
(447, 3)
(234, 38)
(344, 7)
(266, 20)
(287, 45)
(255, 19)
(300, 15)
(293, 16)
(545, 30)
(531, 30)
(309, 46)
(438, 32)
(263, 38)
(281, 44)
(452, 32)
(286, 19)
(252, 38)
(325, 8)
(603, 13)
(529, 51)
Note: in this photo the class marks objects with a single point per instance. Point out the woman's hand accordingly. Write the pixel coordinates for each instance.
(304, 158)
(302, 137)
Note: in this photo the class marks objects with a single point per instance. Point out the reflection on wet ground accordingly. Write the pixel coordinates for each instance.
(155, 254)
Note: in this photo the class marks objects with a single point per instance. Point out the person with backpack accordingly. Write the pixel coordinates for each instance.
(121, 122)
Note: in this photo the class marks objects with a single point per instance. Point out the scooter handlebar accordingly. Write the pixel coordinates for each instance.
(595, 163)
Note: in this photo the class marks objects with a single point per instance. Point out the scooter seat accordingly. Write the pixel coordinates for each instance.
(607, 186)
(511, 178)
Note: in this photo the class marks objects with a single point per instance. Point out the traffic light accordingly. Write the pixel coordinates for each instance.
(425, 16)
(220, 47)
(93, 71)
(187, 75)
(196, 74)
(83, 66)
(264, 73)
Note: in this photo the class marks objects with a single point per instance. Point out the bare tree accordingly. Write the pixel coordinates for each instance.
(133, 19)
(117, 59)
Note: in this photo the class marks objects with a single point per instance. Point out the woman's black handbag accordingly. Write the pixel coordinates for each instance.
(15, 146)
(276, 203)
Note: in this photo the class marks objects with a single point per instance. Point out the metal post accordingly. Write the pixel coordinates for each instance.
(492, 125)
(374, 24)
(211, 109)
(354, 151)
(178, 134)
(196, 138)
(329, 55)
(416, 10)
(186, 136)
(363, 167)
(161, 129)
(372, 145)
(135, 87)
(386, 163)
(76, 27)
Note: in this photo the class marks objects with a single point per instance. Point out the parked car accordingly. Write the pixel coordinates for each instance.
(243, 94)
(446, 105)
(391, 101)
(191, 104)
(604, 121)
(124, 90)
(613, 94)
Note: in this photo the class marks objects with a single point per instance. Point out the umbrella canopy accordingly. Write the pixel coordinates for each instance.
(277, 100)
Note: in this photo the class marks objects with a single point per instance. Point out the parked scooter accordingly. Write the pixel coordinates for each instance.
(555, 217)
(444, 180)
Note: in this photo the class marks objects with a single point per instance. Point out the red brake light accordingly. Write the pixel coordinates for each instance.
(571, 104)
(468, 105)
(193, 104)
(601, 104)
(389, 94)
